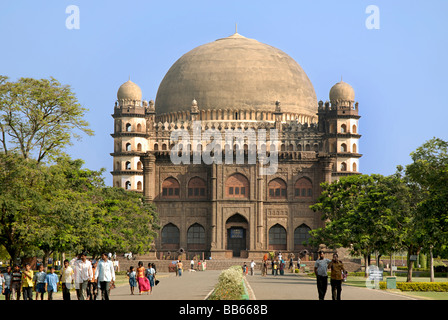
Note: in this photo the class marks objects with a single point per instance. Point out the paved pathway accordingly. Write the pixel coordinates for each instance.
(300, 287)
(189, 286)
(197, 285)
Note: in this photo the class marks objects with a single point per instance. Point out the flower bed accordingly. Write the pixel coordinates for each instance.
(230, 285)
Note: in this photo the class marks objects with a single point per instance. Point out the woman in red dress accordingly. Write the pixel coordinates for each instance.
(142, 280)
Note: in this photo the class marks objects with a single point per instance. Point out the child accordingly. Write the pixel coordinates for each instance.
(132, 279)
(39, 282)
(51, 283)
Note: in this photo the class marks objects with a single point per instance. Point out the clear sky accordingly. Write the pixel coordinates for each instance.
(399, 71)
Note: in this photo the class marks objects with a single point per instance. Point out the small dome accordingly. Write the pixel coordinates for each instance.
(342, 91)
(129, 91)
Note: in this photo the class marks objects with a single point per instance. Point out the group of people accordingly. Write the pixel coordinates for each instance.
(144, 278)
(337, 276)
(82, 274)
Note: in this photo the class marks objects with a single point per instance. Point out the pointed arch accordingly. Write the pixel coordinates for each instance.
(277, 237)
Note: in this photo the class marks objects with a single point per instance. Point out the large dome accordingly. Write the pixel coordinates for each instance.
(236, 73)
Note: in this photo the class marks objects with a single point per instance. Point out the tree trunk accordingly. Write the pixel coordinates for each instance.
(390, 265)
(366, 266)
(431, 264)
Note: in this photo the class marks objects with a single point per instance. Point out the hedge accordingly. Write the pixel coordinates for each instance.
(419, 286)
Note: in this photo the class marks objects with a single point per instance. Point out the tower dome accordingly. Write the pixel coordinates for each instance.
(129, 91)
(236, 73)
(342, 91)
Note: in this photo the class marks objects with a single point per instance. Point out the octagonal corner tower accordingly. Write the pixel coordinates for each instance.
(236, 73)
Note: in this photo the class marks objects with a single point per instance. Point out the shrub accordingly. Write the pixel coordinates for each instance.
(230, 285)
(419, 286)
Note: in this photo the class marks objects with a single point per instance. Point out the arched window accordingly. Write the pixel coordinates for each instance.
(301, 235)
(128, 185)
(139, 128)
(164, 146)
(139, 165)
(197, 188)
(170, 236)
(343, 128)
(277, 238)
(128, 147)
(291, 147)
(128, 127)
(170, 188)
(277, 189)
(316, 147)
(196, 236)
(139, 185)
(299, 147)
(303, 188)
(354, 167)
(117, 166)
(139, 147)
(156, 147)
(354, 148)
(343, 147)
(128, 165)
(237, 186)
(343, 166)
(307, 147)
(354, 129)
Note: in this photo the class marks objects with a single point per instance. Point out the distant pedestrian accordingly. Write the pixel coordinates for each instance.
(337, 270)
(320, 270)
(252, 267)
(51, 283)
(27, 282)
(39, 282)
(180, 267)
(244, 268)
(192, 264)
(6, 290)
(132, 275)
(150, 274)
(105, 275)
(142, 280)
(66, 280)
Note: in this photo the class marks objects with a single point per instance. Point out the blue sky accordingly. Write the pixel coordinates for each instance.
(399, 72)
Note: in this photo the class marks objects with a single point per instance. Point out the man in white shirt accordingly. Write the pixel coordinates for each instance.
(83, 273)
(252, 266)
(105, 274)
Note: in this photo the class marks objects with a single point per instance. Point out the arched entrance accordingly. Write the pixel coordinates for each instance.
(236, 227)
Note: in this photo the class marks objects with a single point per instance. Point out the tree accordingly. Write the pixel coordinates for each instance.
(38, 117)
(429, 170)
(366, 213)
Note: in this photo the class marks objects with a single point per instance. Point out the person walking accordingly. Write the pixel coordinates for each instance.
(132, 275)
(105, 275)
(142, 280)
(66, 280)
(337, 269)
(16, 283)
(51, 283)
(252, 267)
(39, 282)
(6, 290)
(83, 273)
(27, 282)
(180, 267)
(92, 287)
(150, 274)
(320, 270)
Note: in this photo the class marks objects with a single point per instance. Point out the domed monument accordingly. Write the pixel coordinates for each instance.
(232, 208)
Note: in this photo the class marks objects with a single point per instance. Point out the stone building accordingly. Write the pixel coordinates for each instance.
(231, 209)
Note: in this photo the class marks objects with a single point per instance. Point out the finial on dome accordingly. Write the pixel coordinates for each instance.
(236, 27)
